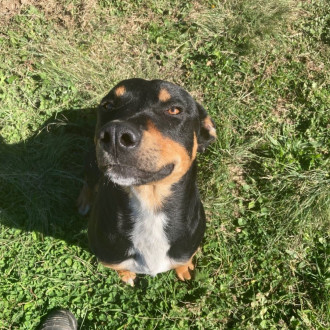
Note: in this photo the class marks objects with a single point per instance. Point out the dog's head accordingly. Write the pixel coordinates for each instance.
(150, 131)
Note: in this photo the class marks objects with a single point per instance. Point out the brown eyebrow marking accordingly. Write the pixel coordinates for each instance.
(120, 91)
(164, 95)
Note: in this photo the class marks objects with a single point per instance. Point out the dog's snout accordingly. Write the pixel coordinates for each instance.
(105, 137)
(120, 136)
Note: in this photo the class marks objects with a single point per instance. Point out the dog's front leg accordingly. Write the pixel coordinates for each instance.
(183, 271)
(125, 275)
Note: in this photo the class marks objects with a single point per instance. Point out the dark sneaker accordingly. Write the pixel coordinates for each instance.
(60, 319)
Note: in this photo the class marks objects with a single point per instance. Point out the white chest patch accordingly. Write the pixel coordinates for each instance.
(150, 244)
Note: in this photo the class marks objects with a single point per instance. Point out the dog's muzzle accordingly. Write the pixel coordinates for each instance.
(119, 157)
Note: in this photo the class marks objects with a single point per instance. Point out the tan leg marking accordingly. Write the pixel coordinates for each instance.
(125, 275)
(183, 272)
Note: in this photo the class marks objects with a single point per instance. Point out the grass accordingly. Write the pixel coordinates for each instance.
(261, 68)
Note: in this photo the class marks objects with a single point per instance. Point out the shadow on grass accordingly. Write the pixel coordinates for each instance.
(40, 178)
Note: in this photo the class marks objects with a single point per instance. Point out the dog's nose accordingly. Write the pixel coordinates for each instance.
(120, 136)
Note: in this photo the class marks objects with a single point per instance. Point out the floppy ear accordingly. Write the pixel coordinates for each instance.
(207, 132)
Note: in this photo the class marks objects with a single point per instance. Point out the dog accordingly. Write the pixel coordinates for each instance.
(146, 216)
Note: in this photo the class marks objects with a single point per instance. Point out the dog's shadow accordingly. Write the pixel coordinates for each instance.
(40, 178)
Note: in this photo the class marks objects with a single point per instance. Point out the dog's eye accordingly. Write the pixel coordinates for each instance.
(173, 111)
(107, 105)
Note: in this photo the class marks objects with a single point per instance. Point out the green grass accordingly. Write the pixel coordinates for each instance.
(261, 68)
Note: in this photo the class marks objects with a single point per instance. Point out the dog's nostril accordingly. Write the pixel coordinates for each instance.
(105, 137)
(127, 140)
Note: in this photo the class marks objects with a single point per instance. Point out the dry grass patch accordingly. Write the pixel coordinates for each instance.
(108, 48)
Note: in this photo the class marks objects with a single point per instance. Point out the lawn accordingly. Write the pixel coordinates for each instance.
(260, 68)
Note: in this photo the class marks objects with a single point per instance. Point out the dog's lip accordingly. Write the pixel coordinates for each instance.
(110, 166)
(136, 176)
(113, 166)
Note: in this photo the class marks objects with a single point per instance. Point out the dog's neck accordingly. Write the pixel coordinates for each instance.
(153, 196)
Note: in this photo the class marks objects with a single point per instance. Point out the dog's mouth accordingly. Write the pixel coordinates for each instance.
(126, 175)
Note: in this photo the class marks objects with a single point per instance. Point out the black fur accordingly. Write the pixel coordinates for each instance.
(120, 127)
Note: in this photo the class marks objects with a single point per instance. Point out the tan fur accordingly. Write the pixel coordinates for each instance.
(124, 274)
(164, 95)
(120, 91)
(153, 194)
(207, 123)
(127, 276)
(183, 272)
(165, 151)
(195, 146)
(112, 266)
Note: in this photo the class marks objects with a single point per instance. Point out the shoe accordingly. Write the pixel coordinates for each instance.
(59, 319)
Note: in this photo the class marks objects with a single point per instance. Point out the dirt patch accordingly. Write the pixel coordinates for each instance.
(10, 8)
(237, 174)
(67, 15)
(89, 42)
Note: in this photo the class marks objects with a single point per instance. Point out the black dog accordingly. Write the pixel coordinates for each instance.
(147, 216)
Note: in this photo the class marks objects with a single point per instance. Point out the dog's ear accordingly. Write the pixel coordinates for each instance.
(207, 132)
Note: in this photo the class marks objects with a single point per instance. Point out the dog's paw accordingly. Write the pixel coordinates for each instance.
(183, 272)
(127, 276)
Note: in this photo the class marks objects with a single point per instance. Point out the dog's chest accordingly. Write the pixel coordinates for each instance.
(150, 244)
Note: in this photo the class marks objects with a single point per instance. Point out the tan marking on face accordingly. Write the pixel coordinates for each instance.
(165, 151)
(164, 95)
(207, 123)
(120, 91)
